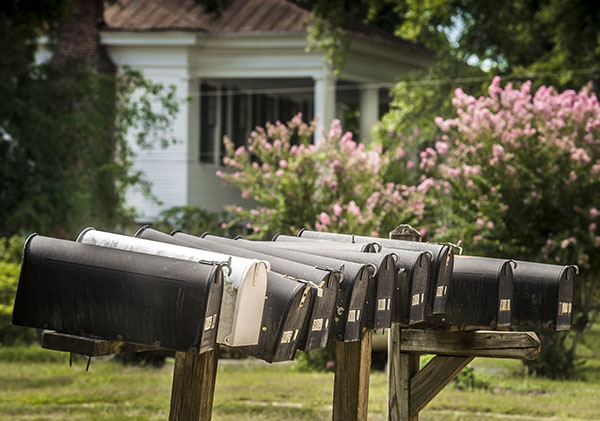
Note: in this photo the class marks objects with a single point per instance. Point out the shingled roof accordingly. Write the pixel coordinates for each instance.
(240, 17)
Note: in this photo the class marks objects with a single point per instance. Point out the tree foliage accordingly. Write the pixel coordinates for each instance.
(65, 158)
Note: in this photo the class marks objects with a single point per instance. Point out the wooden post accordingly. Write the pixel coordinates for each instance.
(193, 389)
(401, 367)
(352, 374)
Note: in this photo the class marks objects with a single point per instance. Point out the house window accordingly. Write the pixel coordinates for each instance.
(227, 111)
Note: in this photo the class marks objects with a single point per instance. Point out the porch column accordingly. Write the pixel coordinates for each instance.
(369, 112)
(324, 102)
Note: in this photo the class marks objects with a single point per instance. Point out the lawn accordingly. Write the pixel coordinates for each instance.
(36, 384)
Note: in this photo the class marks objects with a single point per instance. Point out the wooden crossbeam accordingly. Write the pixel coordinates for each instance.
(480, 343)
(92, 347)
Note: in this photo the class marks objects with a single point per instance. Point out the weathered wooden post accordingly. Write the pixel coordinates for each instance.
(401, 367)
(193, 389)
(352, 373)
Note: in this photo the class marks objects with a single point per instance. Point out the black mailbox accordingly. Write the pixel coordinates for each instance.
(118, 295)
(543, 295)
(481, 293)
(380, 294)
(412, 285)
(350, 306)
(441, 263)
(287, 306)
(324, 283)
(371, 247)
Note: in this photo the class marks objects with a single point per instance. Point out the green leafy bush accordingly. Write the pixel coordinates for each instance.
(516, 174)
(10, 258)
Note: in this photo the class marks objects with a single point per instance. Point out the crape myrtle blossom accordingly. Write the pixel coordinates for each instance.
(336, 185)
(522, 170)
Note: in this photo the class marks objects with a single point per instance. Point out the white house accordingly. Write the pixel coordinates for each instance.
(245, 67)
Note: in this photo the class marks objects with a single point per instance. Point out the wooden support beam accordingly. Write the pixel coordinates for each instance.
(427, 383)
(401, 367)
(480, 343)
(193, 391)
(92, 347)
(404, 366)
(352, 373)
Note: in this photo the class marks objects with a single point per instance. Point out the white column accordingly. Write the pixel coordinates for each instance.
(369, 112)
(324, 102)
(218, 128)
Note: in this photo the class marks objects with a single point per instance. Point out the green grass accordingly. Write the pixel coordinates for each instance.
(37, 384)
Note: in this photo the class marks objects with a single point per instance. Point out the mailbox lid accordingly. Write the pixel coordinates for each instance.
(481, 293)
(353, 288)
(244, 290)
(543, 295)
(441, 263)
(412, 285)
(118, 295)
(286, 310)
(369, 247)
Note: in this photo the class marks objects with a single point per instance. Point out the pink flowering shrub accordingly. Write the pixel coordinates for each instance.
(336, 185)
(517, 174)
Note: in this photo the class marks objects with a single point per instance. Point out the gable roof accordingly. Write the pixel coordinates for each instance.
(240, 17)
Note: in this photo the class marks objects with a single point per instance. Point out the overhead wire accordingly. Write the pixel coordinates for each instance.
(388, 85)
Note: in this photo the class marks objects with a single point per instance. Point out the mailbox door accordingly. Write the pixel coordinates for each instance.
(244, 290)
(481, 292)
(378, 307)
(324, 301)
(410, 297)
(353, 289)
(118, 295)
(286, 310)
(441, 263)
(543, 295)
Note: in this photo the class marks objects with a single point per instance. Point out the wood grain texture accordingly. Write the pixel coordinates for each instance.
(92, 347)
(193, 389)
(430, 381)
(481, 343)
(352, 373)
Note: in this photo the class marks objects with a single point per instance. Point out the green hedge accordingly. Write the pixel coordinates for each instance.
(10, 263)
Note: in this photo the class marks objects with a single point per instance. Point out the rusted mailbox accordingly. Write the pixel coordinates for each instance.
(379, 297)
(353, 288)
(119, 295)
(244, 289)
(319, 303)
(441, 263)
(481, 293)
(543, 295)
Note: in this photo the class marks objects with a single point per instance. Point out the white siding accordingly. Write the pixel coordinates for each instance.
(165, 168)
(210, 192)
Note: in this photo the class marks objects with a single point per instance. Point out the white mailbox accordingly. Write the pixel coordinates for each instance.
(244, 288)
